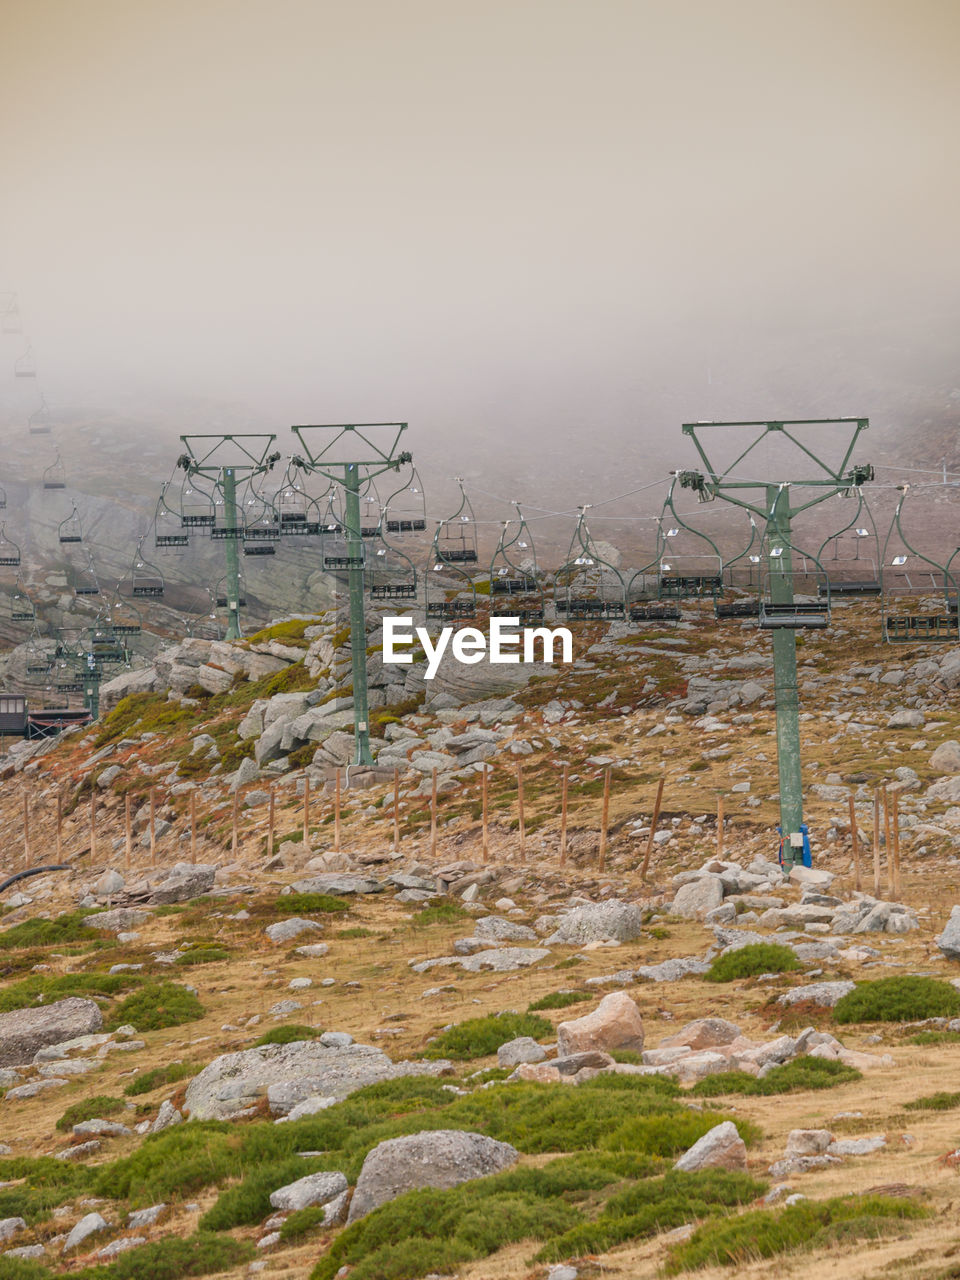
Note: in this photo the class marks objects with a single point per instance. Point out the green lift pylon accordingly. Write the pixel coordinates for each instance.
(350, 454)
(783, 614)
(224, 458)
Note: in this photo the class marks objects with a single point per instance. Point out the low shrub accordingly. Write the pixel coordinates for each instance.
(560, 1000)
(801, 1073)
(174, 1258)
(478, 1037)
(629, 1057)
(301, 1222)
(656, 1204)
(157, 1005)
(749, 962)
(172, 1164)
(40, 932)
(206, 953)
(670, 1135)
(306, 903)
(23, 1269)
(925, 1038)
(765, 1233)
(159, 1076)
(95, 1108)
(289, 1033)
(250, 1201)
(441, 911)
(40, 988)
(934, 1102)
(358, 931)
(902, 999)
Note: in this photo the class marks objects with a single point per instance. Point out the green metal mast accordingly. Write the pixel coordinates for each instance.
(777, 515)
(223, 458)
(349, 454)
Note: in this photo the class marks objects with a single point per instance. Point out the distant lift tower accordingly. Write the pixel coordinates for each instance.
(351, 454)
(780, 613)
(225, 459)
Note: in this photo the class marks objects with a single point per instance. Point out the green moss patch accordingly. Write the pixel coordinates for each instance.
(749, 962)
(95, 1108)
(903, 999)
(801, 1073)
(288, 1034)
(478, 1037)
(156, 1005)
(560, 1000)
(160, 1076)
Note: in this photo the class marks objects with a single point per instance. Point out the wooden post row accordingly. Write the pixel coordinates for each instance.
(653, 828)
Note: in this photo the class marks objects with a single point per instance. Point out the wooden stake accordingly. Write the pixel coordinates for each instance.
(93, 826)
(891, 876)
(127, 831)
(26, 829)
(271, 820)
(484, 828)
(521, 817)
(856, 846)
(563, 815)
(604, 821)
(433, 816)
(59, 826)
(153, 827)
(235, 825)
(336, 811)
(876, 843)
(396, 811)
(720, 826)
(306, 813)
(193, 827)
(653, 828)
(896, 841)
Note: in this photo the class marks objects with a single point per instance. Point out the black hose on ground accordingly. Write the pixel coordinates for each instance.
(33, 871)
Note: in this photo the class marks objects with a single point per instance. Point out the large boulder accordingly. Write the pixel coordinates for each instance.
(698, 897)
(119, 920)
(614, 1024)
(599, 922)
(949, 940)
(703, 1033)
(288, 1074)
(947, 790)
(24, 1031)
(315, 1188)
(185, 881)
(946, 758)
(439, 1158)
(338, 883)
(721, 1148)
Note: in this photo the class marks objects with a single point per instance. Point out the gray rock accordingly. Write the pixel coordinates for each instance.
(721, 1148)
(109, 882)
(672, 970)
(499, 929)
(599, 921)
(522, 1049)
(906, 718)
(698, 897)
(315, 1188)
(89, 1225)
(10, 1226)
(823, 993)
(26, 1251)
(335, 882)
(185, 881)
(289, 1074)
(439, 1158)
(949, 940)
(504, 959)
(24, 1031)
(856, 1146)
(119, 920)
(145, 1217)
(167, 1117)
(286, 930)
(120, 1246)
(946, 758)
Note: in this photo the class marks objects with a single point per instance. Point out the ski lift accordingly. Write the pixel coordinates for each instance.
(38, 659)
(514, 573)
(9, 551)
(392, 574)
(69, 530)
(261, 523)
(55, 476)
(146, 580)
(85, 581)
(928, 588)
(691, 566)
(407, 509)
(455, 541)
(293, 503)
(853, 568)
(39, 422)
(372, 511)
(25, 366)
(588, 588)
(781, 607)
(104, 646)
(21, 606)
(121, 616)
(223, 601)
(10, 316)
(334, 541)
(3, 498)
(168, 534)
(198, 506)
(739, 572)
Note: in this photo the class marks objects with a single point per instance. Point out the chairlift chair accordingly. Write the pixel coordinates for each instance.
(198, 506)
(38, 424)
(907, 573)
(168, 534)
(3, 498)
(25, 366)
(55, 476)
(86, 582)
(122, 617)
(69, 529)
(261, 523)
(222, 600)
(455, 541)
(588, 588)
(690, 564)
(406, 510)
(514, 573)
(21, 606)
(146, 580)
(392, 574)
(854, 566)
(779, 606)
(9, 551)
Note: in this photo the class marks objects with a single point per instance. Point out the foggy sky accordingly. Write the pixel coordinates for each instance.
(518, 224)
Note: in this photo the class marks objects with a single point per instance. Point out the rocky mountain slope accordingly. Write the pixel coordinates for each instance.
(270, 1031)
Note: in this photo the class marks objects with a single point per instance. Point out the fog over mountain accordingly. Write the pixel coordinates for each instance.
(543, 233)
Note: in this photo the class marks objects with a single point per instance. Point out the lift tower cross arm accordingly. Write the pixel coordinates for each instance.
(351, 454)
(773, 506)
(225, 457)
